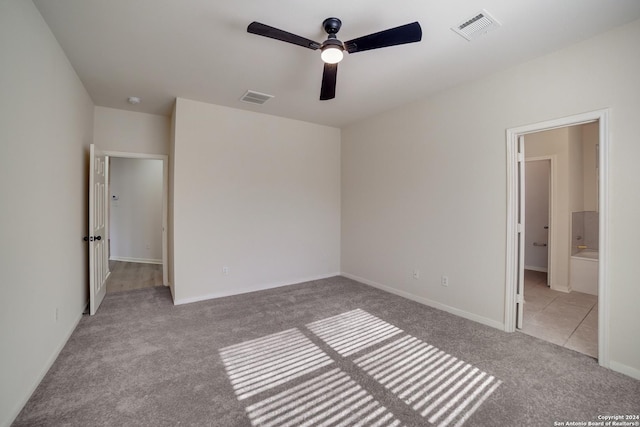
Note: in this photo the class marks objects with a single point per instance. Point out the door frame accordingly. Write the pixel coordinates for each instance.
(512, 134)
(165, 199)
(551, 158)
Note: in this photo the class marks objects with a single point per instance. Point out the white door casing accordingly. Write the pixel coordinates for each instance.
(512, 271)
(521, 234)
(98, 256)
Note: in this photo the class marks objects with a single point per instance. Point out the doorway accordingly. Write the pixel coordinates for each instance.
(563, 309)
(137, 218)
(99, 201)
(516, 221)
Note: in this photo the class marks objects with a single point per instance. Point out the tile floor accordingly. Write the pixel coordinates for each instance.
(566, 319)
(126, 276)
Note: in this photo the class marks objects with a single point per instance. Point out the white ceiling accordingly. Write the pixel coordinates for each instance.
(200, 49)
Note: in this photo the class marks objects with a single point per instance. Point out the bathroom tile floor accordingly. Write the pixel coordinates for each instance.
(567, 319)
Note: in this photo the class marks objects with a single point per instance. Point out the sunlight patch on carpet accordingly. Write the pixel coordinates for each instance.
(439, 388)
(332, 398)
(352, 331)
(261, 364)
(432, 382)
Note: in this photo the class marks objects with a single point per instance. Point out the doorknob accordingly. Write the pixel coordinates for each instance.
(98, 237)
(91, 238)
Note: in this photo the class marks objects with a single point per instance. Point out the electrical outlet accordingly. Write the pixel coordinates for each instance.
(444, 281)
(416, 274)
(225, 270)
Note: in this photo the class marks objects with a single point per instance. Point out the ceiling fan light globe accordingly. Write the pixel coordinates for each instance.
(332, 55)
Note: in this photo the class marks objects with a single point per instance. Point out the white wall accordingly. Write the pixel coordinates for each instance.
(255, 193)
(576, 171)
(129, 131)
(135, 226)
(590, 159)
(424, 186)
(46, 119)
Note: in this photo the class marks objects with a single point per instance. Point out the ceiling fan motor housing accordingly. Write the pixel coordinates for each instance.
(332, 25)
(333, 42)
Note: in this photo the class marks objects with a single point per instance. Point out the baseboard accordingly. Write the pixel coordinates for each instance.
(564, 289)
(533, 268)
(624, 369)
(426, 301)
(256, 288)
(138, 260)
(48, 366)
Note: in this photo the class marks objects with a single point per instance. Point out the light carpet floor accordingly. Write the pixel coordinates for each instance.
(330, 352)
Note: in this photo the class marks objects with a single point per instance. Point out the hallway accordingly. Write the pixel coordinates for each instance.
(126, 276)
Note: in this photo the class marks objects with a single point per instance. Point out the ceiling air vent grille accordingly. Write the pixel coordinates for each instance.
(253, 97)
(476, 26)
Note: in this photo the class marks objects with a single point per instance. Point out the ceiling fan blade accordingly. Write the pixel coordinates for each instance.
(328, 89)
(408, 33)
(274, 33)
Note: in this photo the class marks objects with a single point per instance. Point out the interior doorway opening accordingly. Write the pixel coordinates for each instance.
(563, 243)
(99, 201)
(137, 218)
(560, 282)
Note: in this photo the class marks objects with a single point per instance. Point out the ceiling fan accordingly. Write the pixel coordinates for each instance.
(333, 49)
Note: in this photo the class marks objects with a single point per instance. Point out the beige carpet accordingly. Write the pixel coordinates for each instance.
(332, 352)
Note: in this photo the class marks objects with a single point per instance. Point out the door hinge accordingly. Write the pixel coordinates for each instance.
(520, 157)
(520, 298)
(519, 228)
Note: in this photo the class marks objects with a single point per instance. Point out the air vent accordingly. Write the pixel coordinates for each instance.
(253, 97)
(477, 25)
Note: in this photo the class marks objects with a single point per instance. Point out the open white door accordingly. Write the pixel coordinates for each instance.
(537, 193)
(98, 256)
(521, 211)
